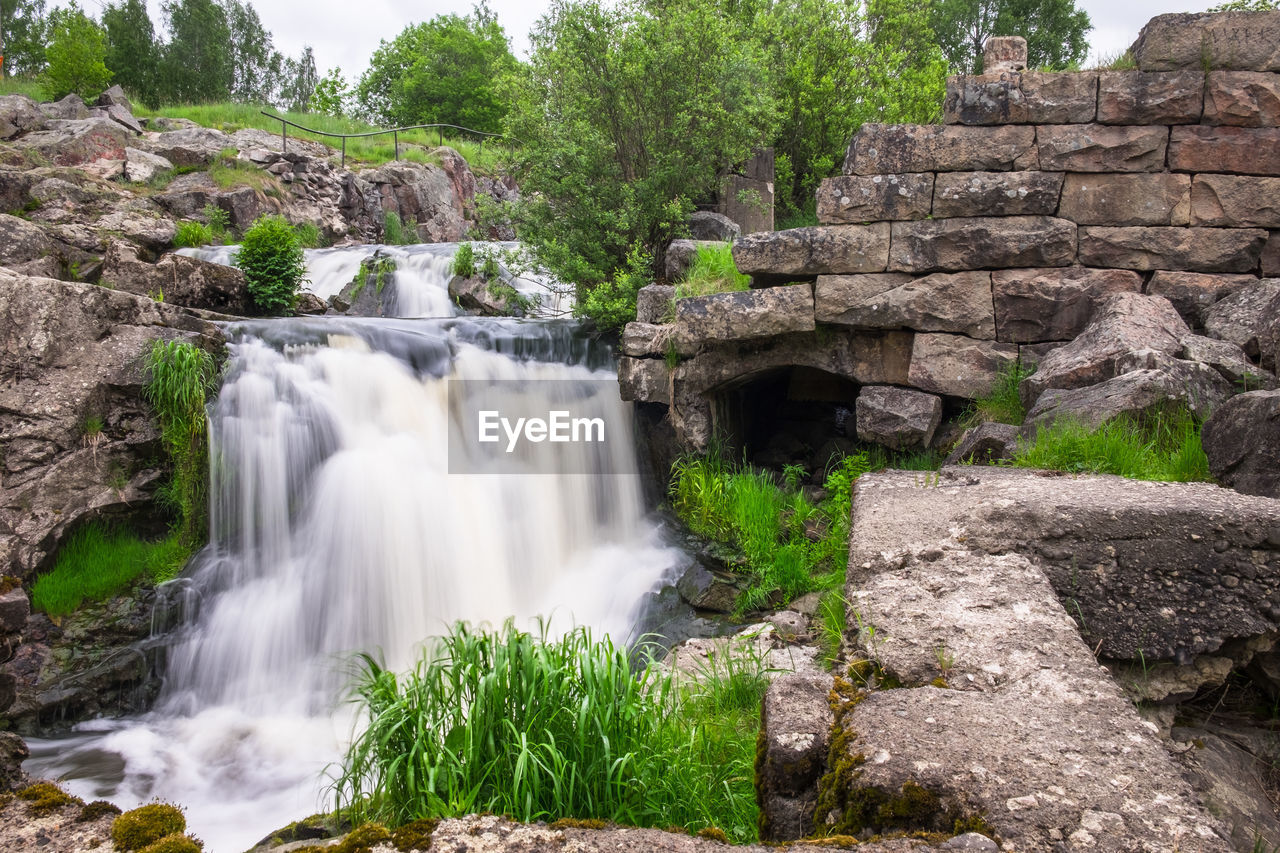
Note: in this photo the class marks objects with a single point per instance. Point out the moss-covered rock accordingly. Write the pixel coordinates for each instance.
(145, 825)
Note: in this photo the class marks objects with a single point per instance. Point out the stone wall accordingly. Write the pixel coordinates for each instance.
(947, 252)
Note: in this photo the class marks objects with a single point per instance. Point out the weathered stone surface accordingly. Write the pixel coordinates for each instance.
(1158, 248)
(147, 229)
(887, 149)
(897, 417)
(796, 722)
(956, 365)
(19, 114)
(1232, 41)
(982, 243)
(1242, 441)
(191, 147)
(1192, 292)
(680, 255)
(1271, 256)
(70, 350)
(1127, 199)
(1060, 98)
(1135, 393)
(75, 143)
(985, 444)
(1101, 148)
(709, 225)
(942, 302)
(1242, 98)
(708, 590)
(1052, 304)
(120, 116)
(982, 99)
(1141, 97)
(1243, 150)
(1243, 316)
(647, 340)
(868, 198)
(141, 166)
(1269, 338)
(177, 280)
(745, 314)
(1235, 201)
(996, 194)
(747, 202)
(653, 303)
(1004, 53)
(115, 96)
(1230, 361)
(814, 250)
(1122, 323)
(70, 107)
(433, 197)
(21, 241)
(644, 380)
(1225, 762)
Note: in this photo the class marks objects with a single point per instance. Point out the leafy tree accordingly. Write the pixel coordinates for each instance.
(76, 53)
(197, 64)
(272, 260)
(256, 66)
(1054, 29)
(331, 94)
(133, 55)
(444, 70)
(23, 32)
(625, 113)
(1247, 6)
(300, 81)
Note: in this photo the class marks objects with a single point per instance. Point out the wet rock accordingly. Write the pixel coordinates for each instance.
(1142, 97)
(814, 250)
(897, 418)
(1101, 148)
(19, 114)
(1243, 150)
(1244, 316)
(1127, 199)
(1192, 293)
(982, 242)
(867, 198)
(1242, 98)
(177, 280)
(1155, 248)
(745, 314)
(705, 589)
(956, 365)
(716, 227)
(1233, 41)
(653, 303)
(942, 302)
(1242, 441)
(1234, 201)
(894, 149)
(996, 194)
(1052, 304)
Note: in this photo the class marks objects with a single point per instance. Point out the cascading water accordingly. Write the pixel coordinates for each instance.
(338, 528)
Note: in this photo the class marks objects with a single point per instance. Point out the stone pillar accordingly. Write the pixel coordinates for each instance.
(1004, 53)
(747, 199)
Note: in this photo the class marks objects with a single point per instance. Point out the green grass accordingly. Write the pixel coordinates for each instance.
(97, 562)
(483, 159)
(1163, 446)
(192, 234)
(1002, 404)
(511, 723)
(832, 618)
(32, 87)
(398, 233)
(228, 172)
(712, 271)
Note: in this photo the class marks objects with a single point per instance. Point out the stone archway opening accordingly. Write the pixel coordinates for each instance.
(787, 416)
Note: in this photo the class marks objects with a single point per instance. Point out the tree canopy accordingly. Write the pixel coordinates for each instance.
(77, 48)
(1055, 30)
(23, 34)
(132, 53)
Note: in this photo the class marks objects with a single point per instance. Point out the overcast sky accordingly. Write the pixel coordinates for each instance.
(345, 33)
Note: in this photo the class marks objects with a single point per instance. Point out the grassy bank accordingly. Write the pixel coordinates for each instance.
(1161, 446)
(513, 723)
(99, 562)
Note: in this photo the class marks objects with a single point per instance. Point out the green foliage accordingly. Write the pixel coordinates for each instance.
(625, 113)
(137, 828)
(489, 266)
(46, 797)
(1055, 30)
(464, 261)
(132, 52)
(219, 221)
(76, 53)
(612, 303)
(1164, 445)
(331, 94)
(445, 70)
(271, 257)
(24, 32)
(180, 379)
(191, 234)
(1246, 6)
(712, 271)
(1121, 60)
(517, 724)
(398, 233)
(174, 843)
(197, 64)
(29, 86)
(309, 235)
(1002, 404)
(831, 622)
(378, 270)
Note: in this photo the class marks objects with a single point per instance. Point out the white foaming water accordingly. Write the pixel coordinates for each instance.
(336, 529)
(421, 281)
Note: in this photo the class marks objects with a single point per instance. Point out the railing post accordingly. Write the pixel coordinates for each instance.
(344, 152)
(284, 138)
(439, 136)
(396, 136)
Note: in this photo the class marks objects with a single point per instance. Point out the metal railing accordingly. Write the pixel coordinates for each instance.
(395, 132)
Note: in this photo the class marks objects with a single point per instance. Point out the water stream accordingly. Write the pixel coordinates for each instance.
(337, 527)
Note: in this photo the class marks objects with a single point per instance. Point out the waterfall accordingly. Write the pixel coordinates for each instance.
(338, 526)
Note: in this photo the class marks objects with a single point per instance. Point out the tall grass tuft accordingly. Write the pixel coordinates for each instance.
(98, 562)
(712, 271)
(514, 723)
(1164, 445)
(180, 379)
(1002, 404)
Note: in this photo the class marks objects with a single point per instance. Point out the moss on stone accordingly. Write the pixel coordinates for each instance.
(175, 843)
(46, 797)
(578, 823)
(95, 810)
(137, 828)
(362, 839)
(713, 833)
(415, 835)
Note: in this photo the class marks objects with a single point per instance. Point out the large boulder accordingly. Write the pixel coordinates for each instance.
(21, 241)
(70, 107)
(1052, 304)
(897, 417)
(77, 143)
(745, 314)
(1243, 98)
(958, 366)
(985, 444)
(424, 197)
(1133, 393)
(19, 114)
(177, 280)
(1242, 441)
(69, 352)
(942, 302)
(1244, 316)
(1122, 324)
(716, 227)
(1192, 293)
(653, 303)
(195, 147)
(141, 166)
(1230, 41)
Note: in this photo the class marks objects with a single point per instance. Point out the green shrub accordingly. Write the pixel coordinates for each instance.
(1164, 445)
(398, 233)
(95, 810)
(137, 828)
(612, 304)
(464, 261)
(271, 257)
(309, 235)
(712, 271)
(219, 222)
(1002, 404)
(98, 562)
(192, 234)
(174, 843)
(511, 723)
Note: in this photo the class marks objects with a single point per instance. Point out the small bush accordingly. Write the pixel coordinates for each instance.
(192, 234)
(272, 260)
(464, 261)
(398, 233)
(1164, 446)
(95, 810)
(712, 271)
(612, 304)
(45, 797)
(145, 825)
(174, 843)
(219, 221)
(309, 235)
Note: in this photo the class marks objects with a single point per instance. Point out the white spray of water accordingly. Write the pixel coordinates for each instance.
(337, 528)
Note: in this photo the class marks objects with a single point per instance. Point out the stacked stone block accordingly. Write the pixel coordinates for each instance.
(993, 236)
